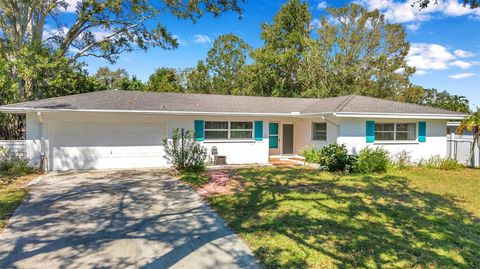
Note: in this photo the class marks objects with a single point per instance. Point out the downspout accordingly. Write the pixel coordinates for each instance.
(42, 142)
(331, 122)
(334, 124)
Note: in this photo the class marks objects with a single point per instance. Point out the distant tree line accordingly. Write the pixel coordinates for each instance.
(353, 52)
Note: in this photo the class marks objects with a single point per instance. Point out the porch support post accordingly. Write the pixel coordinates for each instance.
(42, 142)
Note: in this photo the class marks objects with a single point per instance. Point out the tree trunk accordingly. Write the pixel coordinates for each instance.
(474, 144)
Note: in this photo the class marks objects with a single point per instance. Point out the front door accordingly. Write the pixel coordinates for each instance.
(287, 139)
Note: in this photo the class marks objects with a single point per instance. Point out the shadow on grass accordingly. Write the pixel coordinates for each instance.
(349, 222)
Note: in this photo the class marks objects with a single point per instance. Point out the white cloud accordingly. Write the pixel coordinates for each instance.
(404, 12)
(420, 72)
(316, 23)
(72, 5)
(322, 5)
(201, 39)
(424, 57)
(100, 33)
(429, 56)
(461, 64)
(413, 26)
(97, 33)
(463, 53)
(50, 32)
(181, 42)
(462, 75)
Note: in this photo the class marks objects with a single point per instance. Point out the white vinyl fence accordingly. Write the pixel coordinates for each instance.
(458, 148)
(14, 147)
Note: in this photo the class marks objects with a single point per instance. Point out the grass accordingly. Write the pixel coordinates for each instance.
(194, 179)
(412, 218)
(12, 194)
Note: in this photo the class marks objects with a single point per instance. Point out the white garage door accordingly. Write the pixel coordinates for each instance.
(95, 145)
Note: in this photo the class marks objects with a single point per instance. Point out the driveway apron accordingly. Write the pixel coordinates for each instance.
(118, 219)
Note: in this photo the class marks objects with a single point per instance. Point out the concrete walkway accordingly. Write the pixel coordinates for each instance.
(119, 219)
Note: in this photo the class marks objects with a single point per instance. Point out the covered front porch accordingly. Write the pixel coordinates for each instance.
(287, 137)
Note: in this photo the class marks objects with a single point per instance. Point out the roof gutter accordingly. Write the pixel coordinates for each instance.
(399, 115)
(291, 114)
(153, 112)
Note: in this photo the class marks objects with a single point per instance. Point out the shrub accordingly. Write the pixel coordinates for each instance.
(335, 157)
(12, 166)
(184, 152)
(3, 151)
(372, 160)
(311, 154)
(440, 163)
(402, 159)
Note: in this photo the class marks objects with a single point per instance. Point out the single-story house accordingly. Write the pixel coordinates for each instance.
(125, 129)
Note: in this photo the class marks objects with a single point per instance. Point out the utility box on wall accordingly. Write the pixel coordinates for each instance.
(220, 160)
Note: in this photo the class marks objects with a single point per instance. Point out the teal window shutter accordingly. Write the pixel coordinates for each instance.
(259, 130)
(370, 135)
(422, 131)
(273, 135)
(199, 130)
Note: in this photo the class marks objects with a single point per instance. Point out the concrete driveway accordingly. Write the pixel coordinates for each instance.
(118, 219)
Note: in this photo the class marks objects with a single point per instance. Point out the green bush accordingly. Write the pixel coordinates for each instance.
(184, 152)
(12, 166)
(311, 154)
(440, 163)
(335, 158)
(3, 151)
(372, 160)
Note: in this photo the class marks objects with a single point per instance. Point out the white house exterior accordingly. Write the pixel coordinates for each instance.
(116, 129)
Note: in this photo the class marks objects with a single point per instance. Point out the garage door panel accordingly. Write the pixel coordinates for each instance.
(90, 145)
(76, 158)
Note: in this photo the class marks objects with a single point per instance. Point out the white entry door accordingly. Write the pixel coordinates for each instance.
(99, 145)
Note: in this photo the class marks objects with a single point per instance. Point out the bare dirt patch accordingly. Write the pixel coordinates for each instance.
(222, 182)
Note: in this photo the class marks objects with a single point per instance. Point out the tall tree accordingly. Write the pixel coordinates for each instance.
(102, 29)
(358, 52)
(197, 79)
(164, 80)
(466, 3)
(51, 77)
(225, 60)
(285, 40)
(133, 84)
(110, 79)
(445, 100)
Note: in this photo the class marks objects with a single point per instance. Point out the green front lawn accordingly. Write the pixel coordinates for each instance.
(12, 194)
(302, 218)
(10, 199)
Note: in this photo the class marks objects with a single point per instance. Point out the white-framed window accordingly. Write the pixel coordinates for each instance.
(216, 129)
(395, 131)
(228, 130)
(319, 131)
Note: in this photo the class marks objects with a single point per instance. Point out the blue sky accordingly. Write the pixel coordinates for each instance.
(445, 41)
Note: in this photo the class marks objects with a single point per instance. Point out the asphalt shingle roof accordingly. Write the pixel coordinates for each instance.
(182, 102)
